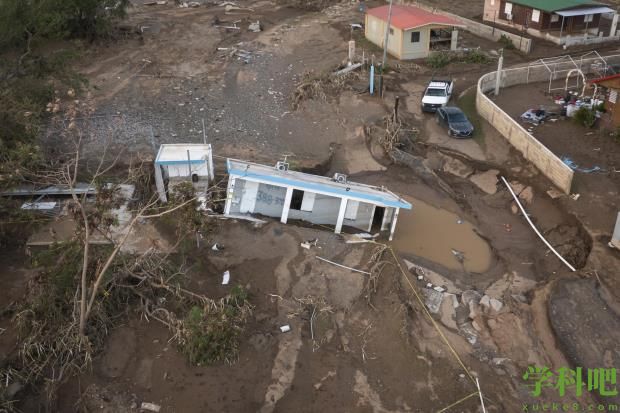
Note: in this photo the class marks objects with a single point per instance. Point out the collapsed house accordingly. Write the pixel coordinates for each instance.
(182, 163)
(281, 193)
(413, 32)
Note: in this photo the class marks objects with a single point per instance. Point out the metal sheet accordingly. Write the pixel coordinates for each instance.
(583, 12)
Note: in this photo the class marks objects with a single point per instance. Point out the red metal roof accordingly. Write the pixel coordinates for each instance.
(602, 79)
(410, 17)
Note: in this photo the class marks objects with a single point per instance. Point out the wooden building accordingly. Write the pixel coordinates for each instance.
(554, 20)
(611, 84)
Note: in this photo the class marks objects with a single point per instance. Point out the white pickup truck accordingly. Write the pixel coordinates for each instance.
(437, 94)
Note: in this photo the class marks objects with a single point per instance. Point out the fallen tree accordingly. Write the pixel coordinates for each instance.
(83, 288)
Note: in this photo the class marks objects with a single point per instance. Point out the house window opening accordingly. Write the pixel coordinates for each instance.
(377, 219)
(297, 199)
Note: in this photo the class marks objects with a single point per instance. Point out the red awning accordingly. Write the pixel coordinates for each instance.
(602, 79)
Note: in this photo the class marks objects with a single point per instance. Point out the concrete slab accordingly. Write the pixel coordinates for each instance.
(486, 181)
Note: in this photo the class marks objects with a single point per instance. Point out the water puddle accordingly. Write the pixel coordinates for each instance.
(433, 233)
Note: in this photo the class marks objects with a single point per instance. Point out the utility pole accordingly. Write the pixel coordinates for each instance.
(498, 76)
(385, 48)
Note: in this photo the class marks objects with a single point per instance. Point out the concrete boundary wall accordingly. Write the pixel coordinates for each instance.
(532, 149)
(523, 44)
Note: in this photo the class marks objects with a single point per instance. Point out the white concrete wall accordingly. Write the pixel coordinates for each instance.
(417, 50)
(248, 197)
(375, 33)
(324, 211)
(270, 200)
(363, 217)
(532, 149)
(181, 170)
(235, 192)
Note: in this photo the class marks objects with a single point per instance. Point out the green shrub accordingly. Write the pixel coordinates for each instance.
(211, 333)
(477, 57)
(437, 60)
(506, 42)
(585, 117)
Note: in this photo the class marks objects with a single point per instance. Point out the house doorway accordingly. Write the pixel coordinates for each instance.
(377, 219)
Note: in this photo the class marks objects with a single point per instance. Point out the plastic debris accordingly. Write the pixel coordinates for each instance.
(572, 165)
(535, 116)
(226, 277)
(285, 329)
(255, 27)
(151, 407)
(459, 255)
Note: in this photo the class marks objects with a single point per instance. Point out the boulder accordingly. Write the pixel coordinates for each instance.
(433, 300)
(476, 326)
(469, 333)
(527, 195)
(433, 279)
(499, 287)
(470, 295)
(447, 313)
(554, 193)
(485, 301)
(474, 310)
(486, 181)
(517, 187)
(496, 305)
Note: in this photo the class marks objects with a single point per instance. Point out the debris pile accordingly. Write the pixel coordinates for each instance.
(468, 311)
(313, 86)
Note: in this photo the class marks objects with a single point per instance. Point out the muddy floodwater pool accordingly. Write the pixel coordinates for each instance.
(441, 236)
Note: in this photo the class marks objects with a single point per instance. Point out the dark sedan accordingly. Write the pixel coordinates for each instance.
(455, 120)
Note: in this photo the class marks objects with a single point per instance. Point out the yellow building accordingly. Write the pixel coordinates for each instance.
(413, 33)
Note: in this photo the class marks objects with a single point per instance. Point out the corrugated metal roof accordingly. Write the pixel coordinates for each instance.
(410, 17)
(321, 184)
(555, 5)
(584, 11)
